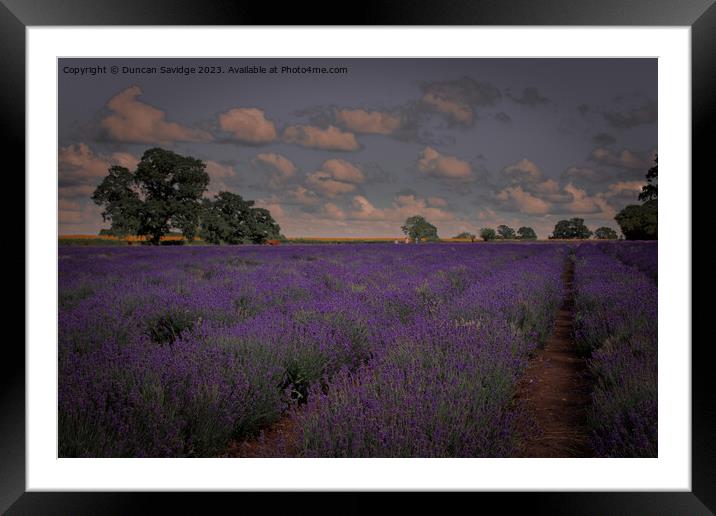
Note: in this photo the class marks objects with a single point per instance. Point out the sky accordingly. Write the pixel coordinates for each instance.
(353, 147)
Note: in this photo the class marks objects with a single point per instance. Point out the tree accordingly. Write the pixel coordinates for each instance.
(121, 202)
(230, 219)
(488, 234)
(506, 232)
(526, 233)
(639, 222)
(466, 236)
(605, 233)
(264, 227)
(164, 192)
(650, 190)
(570, 229)
(417, 227)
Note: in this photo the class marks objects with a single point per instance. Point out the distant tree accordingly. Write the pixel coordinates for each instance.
(526, 233)
(506, 232)
(650, 190)
(230, 219)
(639, 222)
(466, 236)
(164, 192)
(417, 227)
(605, 233)
(488, 234)
(570, 229)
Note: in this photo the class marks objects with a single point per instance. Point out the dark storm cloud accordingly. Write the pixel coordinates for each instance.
(530, 97)
(642, 115)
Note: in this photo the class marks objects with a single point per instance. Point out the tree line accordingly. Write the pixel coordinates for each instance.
(166, 190)
(636, 221)
(165, 193)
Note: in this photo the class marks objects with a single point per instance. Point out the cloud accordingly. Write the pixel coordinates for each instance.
(248, 125)
(343, 171)
(218, 170)
(437, 202)
(279, 168)
(531, 97)
(624, 159)
(78, 161)
(625, 190)
(457, 110)
(323, 182)
(368, 122)
(432, 163)
(402, 207)
(515, 198)
(583, 174)
(303, 196)
(76, 191)
(137, 122)
(76, 217)
(333, 211)
(646, 114)
(524, 171)
(313, 137)
(219, 175)
(580, 202)
(457, 99)
(80, 169)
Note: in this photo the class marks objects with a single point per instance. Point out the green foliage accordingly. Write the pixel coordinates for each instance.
(506, 232)
(230, 219)
(526, 233)
(649, 192)
(164, 192)
(639, 222)
(488, 234)
(570, 229)
(417, 227)
(605, 233)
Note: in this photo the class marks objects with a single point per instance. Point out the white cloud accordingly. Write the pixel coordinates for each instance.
(432, 163)
(248, 125)
(368, 122)
(135, 121)
(331, 138)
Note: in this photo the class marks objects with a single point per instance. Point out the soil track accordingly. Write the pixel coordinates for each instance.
(554, 393)
(279, 440)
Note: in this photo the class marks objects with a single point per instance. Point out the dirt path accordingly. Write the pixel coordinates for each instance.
(554, 392)
(279, 440)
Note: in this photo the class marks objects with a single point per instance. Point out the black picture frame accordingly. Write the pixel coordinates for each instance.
(16, 15)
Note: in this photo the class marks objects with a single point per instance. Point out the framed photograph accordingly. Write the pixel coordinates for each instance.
(414, 251)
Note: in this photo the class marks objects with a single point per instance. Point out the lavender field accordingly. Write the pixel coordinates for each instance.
(373, 350)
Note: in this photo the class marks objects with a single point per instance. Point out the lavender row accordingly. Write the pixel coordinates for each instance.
(640, 255)
(174, 351)
(443, 385)
(616, 326)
